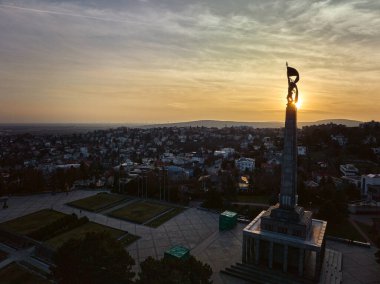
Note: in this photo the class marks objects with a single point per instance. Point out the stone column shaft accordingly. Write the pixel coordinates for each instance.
(301, 260)
(249, 243)
(244, 252)
(270, 256)
(257, 251)
(285, 260)
(251, 250)
(288, 193)
(318, 265)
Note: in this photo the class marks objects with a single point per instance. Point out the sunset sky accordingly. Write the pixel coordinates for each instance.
(177, 60)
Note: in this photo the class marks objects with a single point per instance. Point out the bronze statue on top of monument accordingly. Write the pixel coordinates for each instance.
(292, 84)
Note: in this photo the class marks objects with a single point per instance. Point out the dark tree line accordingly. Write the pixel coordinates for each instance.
(99, 259)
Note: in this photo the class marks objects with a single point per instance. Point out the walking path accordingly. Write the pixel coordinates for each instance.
(364, 235)
(22, 255)
(263, 205)
(203, 245)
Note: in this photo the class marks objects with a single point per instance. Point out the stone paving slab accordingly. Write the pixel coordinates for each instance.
(359, 264)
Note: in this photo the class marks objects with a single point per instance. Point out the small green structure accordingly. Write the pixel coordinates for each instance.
(177, 252)
(227, 220)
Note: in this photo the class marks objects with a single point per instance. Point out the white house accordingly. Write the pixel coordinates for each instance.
(341, 139)
(301, 150)
(349, 170)
(84, 151)
(225, 152)
(244, 164)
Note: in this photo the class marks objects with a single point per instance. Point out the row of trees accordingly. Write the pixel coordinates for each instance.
(99, 258)
(32, 180)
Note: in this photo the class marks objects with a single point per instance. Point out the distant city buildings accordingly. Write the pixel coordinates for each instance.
(340, 139)
(245, 164)
(107, 158)
(225, 152)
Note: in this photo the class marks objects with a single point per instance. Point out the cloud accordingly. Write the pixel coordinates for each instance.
(137, 53)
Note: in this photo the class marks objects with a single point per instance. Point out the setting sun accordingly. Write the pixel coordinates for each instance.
(299, 104)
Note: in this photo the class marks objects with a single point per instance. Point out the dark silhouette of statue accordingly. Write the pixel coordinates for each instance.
(292, 84)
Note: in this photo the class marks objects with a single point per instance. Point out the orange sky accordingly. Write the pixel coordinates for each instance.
(160, 61)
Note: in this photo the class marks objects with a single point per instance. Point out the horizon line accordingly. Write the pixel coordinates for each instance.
(182, 121)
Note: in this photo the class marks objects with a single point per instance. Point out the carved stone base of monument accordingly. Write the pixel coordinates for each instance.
(296, 222)
(294, 247)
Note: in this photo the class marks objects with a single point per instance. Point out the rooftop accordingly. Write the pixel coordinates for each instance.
(318, 231)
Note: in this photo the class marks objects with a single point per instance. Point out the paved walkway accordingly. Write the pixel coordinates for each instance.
(22, 255)
(262, 205)
(359, 264)
(364, 218)
(188, 229)
(363, 234)
(194, 229)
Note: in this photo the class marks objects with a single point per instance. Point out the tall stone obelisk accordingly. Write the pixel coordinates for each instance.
(287, 209)
(288, 193)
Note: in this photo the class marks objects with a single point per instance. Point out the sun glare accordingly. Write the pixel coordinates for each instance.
(299, 104)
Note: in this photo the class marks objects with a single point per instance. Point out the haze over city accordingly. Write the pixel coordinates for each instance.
(167, 61)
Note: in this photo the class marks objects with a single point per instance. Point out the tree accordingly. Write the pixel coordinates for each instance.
(213, 200)
(97, 258)
(170, 270)
(329, 212)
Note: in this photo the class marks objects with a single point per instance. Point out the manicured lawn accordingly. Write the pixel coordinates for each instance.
(139, 212)
(3, 255)
(98, 202)
(344, 230)
(32, 222)
(80, 232)
(253, 198)
(15, 273)
(166, 217)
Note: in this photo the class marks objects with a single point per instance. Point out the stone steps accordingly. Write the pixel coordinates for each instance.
(259, 275)
(331, 271)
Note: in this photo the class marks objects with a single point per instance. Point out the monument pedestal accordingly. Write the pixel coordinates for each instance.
(282, 250)
(296, 222)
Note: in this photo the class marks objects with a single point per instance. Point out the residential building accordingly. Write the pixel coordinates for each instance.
(301, 150)
(244, 164)
(342, 140)
(349, 170)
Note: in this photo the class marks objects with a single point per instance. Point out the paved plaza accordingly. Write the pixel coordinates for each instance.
(359, 264)
(194, 229)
